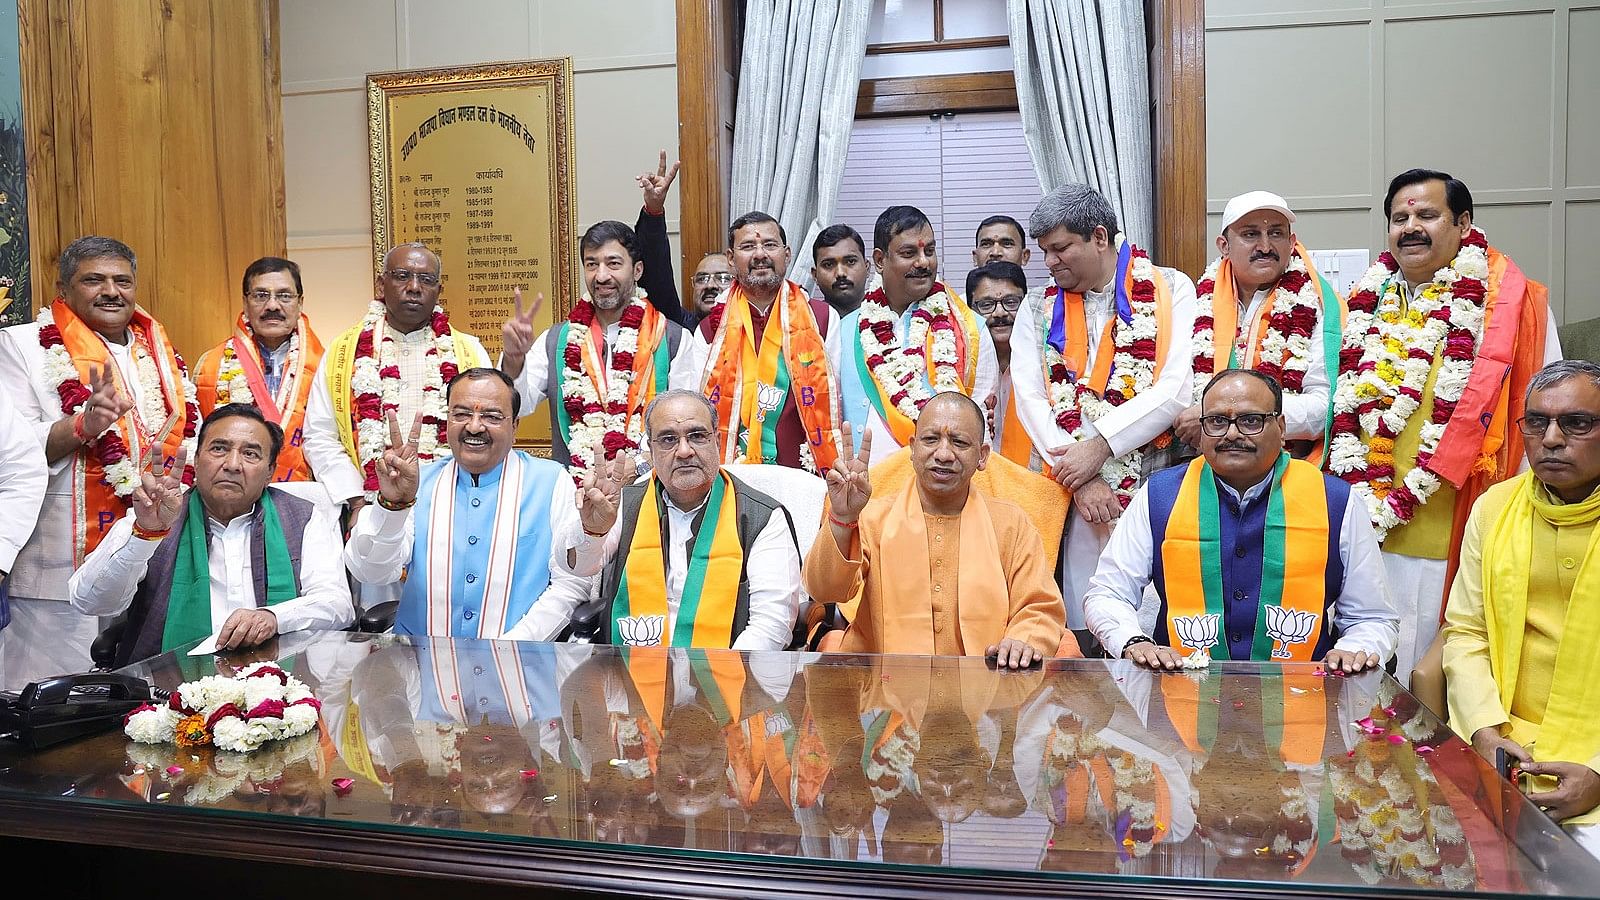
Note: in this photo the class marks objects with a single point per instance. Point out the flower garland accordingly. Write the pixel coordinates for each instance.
(1133, 371)
(899, 368)
(121, 471)
(260, 703)
(609, 425)
(209, 778)
(1286, 346)
(232, 383)
(377, 385)
(1388, 353)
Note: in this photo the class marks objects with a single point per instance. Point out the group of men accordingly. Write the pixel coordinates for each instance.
(1253, 466)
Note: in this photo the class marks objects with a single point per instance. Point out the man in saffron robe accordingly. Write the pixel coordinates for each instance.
(471, 537)
(691, 557)
(775, 389)
(1442, 335)
(98, 379)
(271, 360)
(615, 350)
(1248, 549)
(1100, 370)
(943, 569)
(1524, 614)
(910, 339)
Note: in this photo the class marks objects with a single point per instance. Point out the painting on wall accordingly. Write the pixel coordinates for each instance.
(15, 302)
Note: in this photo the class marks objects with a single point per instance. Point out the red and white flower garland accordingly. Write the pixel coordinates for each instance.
(234, 387)
(1285, 348)
(121, 471)
(899, 367)
(593, 424)
(1133, 371)
(376, 383)
(1388, 353)
(260, 703)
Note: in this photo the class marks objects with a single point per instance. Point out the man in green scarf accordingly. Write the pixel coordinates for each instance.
(233, 558)
(1523, 619)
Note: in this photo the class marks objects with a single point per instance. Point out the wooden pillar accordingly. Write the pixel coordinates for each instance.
(1178, 89)
(706, 59)
(156, 122)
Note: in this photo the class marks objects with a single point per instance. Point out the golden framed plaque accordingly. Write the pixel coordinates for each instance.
(477, 163)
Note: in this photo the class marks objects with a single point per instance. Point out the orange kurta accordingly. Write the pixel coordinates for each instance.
(903, 610)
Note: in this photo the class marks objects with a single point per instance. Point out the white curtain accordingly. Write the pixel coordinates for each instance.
(797, 103)
(1083, 90)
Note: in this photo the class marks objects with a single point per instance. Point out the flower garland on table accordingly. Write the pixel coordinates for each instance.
(899, 368)
(260, 703)
(596, 424)
(121, 471)
(209, 778)
(1286, 346)
(1389, 350)
(1133, 371)
(377, 384)
(234, 387)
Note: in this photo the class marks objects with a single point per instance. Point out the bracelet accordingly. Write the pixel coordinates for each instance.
(595, 534)
(1136, 639)
(843, 524)
(77, 429)
(148, 534)
(395, 507)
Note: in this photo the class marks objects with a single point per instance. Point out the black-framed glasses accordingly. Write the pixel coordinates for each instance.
(986, 306)
(402, 277)
(280, 296)
(722, 278)
(1571, 424)
(1247, 423)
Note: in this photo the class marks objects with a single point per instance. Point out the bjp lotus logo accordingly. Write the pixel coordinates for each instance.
(767, 399)
(641, 631)
(1198, 632)
(1288, 626)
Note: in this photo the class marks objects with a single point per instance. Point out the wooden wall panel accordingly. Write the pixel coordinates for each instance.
(172, 143)
(1178, 93)
(703, 61)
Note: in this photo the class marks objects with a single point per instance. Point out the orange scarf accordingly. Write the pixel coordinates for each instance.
(96, 506)
(738, 370)
(981, 587)
(292, 465)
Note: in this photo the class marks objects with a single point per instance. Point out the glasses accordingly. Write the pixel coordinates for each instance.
(402, 277)
(1572, 424)
(752, 246)
(459, 416)
(264, 296)
(722, 278)
(669, 440)
(1248, 423)
(986, 306)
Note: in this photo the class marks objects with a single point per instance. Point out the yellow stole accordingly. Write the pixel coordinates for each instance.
(710, 588)
(1293, 571)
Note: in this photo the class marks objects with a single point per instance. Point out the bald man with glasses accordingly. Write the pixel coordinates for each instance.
(1255, 555)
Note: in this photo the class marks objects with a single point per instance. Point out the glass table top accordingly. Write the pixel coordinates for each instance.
(1251, 774)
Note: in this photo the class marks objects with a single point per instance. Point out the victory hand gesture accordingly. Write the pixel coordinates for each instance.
(397, 470)
(158, 500)
(105, 404)
(601, 494)
(849, 489)
(655, 185)
(518, 333)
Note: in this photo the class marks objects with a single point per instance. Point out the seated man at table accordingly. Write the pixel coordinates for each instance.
(947, 571)
(692, 557)
(233, 557)
(470, 536)
(1246, 547)
(1523, 617)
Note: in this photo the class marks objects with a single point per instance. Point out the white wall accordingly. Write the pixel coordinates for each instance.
(625, 97)
(1323, 101)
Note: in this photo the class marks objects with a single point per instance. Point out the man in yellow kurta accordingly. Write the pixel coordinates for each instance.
(1523, 619)
(947, 571)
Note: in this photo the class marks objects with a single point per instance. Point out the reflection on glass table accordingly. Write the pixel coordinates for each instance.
(1246, 773)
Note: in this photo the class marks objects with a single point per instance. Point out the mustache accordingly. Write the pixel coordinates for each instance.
(1236, 445)
(1416, 240)
(1264, 254)
(843, 284)
(920, 273)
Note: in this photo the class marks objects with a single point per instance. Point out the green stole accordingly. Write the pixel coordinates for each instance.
(189, 606)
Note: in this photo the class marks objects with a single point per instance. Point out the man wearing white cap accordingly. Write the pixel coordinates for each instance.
(1260, 305)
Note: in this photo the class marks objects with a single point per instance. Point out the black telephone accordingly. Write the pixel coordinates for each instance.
(60, 709)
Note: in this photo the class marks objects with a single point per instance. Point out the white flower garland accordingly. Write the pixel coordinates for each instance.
(900, 366)
(234, 387)
(586, 433)
(1287, 354)
(1396, 345)
(260, 703)
(372, 434)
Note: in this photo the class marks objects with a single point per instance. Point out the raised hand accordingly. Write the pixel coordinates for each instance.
(518, 333)
(105, 404)
(849, 488)
(601, 494)
(158, 500)
(656, 184)
(397, 470)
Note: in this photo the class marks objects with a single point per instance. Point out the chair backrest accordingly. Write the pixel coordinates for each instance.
(800, 492)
